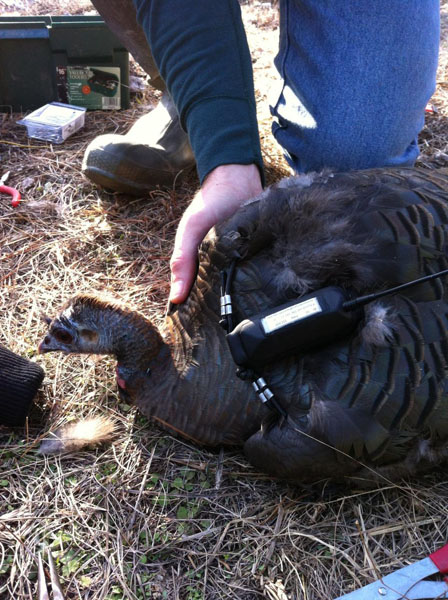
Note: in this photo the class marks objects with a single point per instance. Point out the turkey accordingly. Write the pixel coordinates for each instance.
(370, 404)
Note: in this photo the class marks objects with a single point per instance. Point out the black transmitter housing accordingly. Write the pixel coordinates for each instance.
(297, 327)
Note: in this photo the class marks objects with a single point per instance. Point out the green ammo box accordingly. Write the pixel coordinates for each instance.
(71, 59)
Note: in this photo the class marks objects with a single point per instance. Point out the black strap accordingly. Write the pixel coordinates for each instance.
(261, 388)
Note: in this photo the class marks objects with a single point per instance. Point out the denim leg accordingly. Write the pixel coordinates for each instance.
(357, 75)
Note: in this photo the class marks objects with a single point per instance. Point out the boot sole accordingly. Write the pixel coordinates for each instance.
(114, 183)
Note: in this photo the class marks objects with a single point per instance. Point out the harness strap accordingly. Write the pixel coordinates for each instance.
(261, 388)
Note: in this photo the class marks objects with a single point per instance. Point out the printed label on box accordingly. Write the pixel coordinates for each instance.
(93, 87)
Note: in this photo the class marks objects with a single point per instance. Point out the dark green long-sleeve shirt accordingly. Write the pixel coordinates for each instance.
(201, 50)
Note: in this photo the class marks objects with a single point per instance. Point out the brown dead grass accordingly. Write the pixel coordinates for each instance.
(152, 516)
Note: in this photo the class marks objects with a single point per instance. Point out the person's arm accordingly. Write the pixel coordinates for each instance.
(20, 380)
(201, 50)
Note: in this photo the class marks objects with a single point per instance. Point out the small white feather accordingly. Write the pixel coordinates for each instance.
(379, 325)
(79, 435)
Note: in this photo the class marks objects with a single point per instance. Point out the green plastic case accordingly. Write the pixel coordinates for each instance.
(70, 59)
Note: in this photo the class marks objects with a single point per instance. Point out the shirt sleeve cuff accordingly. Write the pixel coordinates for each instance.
(223, 130)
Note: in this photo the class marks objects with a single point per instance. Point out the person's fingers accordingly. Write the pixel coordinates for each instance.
(183, 270)
(182, 275)
(190, 233)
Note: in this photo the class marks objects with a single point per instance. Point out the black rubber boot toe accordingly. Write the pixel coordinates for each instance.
(155, 152)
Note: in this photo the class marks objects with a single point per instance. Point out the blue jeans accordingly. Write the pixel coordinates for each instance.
(357, 75)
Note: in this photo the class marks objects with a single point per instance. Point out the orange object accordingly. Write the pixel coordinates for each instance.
(86, 89)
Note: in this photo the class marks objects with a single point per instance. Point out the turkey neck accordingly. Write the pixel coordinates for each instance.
(183, 376)
(133, 339)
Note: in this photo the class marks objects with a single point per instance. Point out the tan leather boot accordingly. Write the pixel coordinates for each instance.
(155, 152)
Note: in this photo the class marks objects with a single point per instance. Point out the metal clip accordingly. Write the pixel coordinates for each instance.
(226, 305)
(261, 389)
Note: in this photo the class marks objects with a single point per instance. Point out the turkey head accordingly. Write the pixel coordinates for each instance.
(69, 336)
(88, 324)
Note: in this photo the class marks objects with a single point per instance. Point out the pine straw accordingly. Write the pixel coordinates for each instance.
(152, 516)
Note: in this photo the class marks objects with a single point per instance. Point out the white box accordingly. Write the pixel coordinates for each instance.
(54, 122)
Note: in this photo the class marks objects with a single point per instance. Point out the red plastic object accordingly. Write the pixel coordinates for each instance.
(440, 559)
(16, 197)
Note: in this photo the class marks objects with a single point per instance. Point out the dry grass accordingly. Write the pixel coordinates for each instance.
(152, 516)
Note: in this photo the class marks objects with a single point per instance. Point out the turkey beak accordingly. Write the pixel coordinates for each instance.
(48, 344)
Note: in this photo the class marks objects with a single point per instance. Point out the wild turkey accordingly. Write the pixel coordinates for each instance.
(373, 403)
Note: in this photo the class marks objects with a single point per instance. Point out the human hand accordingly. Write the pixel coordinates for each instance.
(224, 190)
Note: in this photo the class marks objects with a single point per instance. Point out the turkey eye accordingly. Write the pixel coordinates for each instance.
(62, 336)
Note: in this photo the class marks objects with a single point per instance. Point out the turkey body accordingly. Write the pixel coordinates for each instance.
(373, 404)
